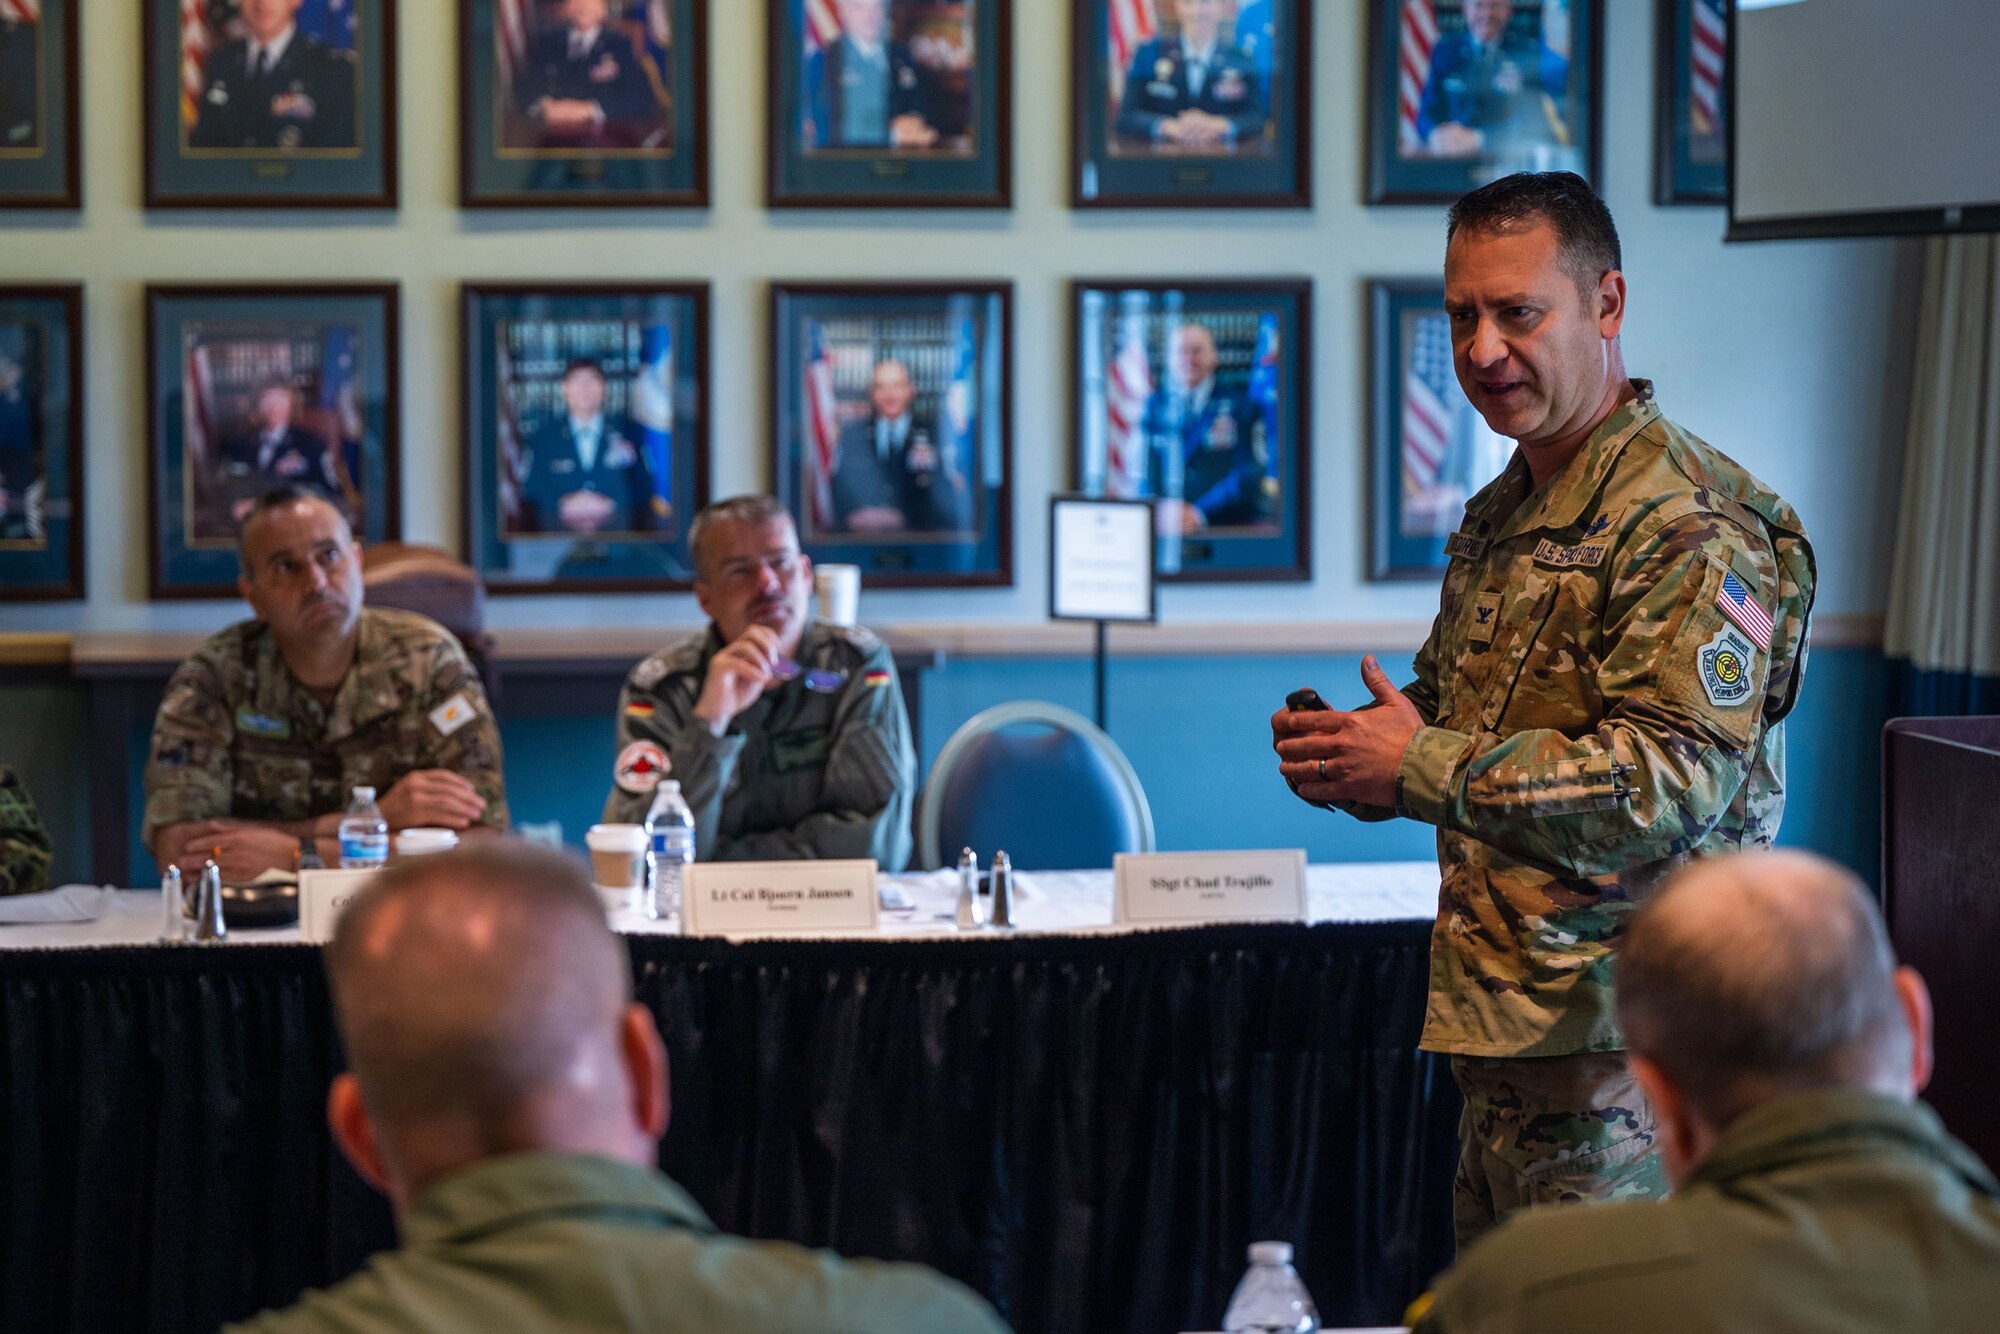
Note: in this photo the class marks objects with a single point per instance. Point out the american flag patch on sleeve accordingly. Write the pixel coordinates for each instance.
(1748, 614)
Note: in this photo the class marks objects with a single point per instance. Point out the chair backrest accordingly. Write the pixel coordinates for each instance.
(432, 582)
(1039, 781)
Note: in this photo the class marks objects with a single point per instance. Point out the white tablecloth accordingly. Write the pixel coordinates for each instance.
(1059, 902)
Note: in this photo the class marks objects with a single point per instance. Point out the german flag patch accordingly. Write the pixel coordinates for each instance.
(877, 679)
(639, 708)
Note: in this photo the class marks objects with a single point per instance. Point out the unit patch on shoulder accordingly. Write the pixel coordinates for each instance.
(640, 767)
(453, 714)
(1564, 557)
(648, 673)
(1726, 662)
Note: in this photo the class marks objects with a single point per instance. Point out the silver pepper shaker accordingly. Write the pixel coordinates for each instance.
(1003, 891)
(209, 923)
(968, 890)
(173, 906)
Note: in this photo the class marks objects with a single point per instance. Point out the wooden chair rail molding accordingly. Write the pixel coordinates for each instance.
(109, 649)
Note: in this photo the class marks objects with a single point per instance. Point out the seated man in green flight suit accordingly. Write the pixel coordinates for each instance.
(1783, 1051)
(507, 1094)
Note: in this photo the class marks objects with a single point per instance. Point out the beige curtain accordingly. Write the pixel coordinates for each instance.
(1944, 596)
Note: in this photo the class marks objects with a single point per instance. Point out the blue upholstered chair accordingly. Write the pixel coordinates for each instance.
(1038, 781)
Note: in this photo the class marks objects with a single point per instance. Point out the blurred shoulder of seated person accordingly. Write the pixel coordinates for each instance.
(24, 844)
(508, 1096)
(1783, 1050)
(265, 731)
(787, 735)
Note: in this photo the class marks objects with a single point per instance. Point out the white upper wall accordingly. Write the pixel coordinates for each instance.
(1792, 357)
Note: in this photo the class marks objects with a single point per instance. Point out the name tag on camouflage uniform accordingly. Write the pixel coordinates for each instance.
(252, 723)
(1564, 557)
(453, 714)
(1465, 546)
(805, 749)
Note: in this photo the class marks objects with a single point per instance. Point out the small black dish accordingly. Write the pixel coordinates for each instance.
(255, 907)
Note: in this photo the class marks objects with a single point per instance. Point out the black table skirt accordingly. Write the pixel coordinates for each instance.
(1087, 1130)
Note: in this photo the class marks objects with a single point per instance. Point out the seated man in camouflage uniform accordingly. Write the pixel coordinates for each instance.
(266, 730)
(24, 843)
(507, 1095)
(787, 735)
(1783, 1050)
(1622, 631)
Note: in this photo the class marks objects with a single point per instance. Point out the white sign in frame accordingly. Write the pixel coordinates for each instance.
(323, 897)
(1261, 886)
(779, 898)
(1101, 560)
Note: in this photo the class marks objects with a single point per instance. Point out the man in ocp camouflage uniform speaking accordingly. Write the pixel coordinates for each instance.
(1622, 630)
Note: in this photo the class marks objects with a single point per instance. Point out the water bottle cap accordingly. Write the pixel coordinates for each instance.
(1270, 1252)
(670, 785)
(364, 793)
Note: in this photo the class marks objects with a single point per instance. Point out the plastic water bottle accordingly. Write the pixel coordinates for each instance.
(364, 834)
(1270, 1299)
(669, 848)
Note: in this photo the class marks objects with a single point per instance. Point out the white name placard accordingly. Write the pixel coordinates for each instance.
(323, 897)
(1212, 886)
(779, 898)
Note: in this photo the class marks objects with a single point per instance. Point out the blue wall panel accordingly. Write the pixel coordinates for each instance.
(1198, 731)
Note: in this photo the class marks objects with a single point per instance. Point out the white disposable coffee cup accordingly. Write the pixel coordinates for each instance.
(617, 863)
(424, 840)
(838, 589)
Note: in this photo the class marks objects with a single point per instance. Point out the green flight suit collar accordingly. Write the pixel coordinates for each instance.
(1800, 1127)
(518, 1188)
(1559, 502)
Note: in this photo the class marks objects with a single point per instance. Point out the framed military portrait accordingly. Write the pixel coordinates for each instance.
(38, 104)
(270, 103)
(1429, 450)
(41, 443)
(893, 428)
(1462, 92)
(1690, 158)
(586, 434)
(1197, 396)
(1191, 104)
(253, 387)
(889, 104)
(570, 103)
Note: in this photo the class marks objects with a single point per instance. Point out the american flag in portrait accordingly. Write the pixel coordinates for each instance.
(1708, 48)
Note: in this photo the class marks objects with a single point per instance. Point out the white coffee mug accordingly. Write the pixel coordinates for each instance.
(423, 841)
(617, 863)
(838, 589)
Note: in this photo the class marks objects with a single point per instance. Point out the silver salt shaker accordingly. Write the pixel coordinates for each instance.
(1003, 891)
(209, 923)
(173, 906)
(968, 890)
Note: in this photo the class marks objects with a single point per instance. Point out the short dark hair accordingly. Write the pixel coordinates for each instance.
(506, 1028)
(575, 364)
(1586, 237)
(1793, 992)
(277, 498)
(736, 509)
